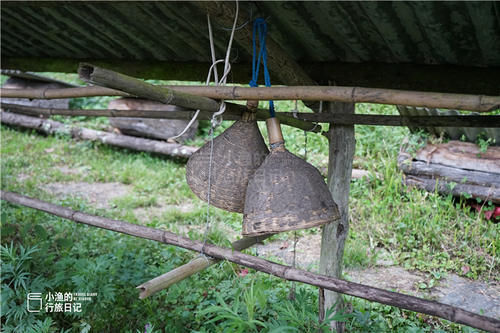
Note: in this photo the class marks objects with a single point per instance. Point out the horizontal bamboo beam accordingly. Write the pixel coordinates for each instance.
(479, 103)
(403, 301)
(298, 120)
(194, 266)
(416, 77)
(52, 93)
(48, 126)
(385, 120)
(232, 113)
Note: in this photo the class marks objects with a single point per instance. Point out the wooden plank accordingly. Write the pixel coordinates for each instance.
(341, 153)
(403, 301)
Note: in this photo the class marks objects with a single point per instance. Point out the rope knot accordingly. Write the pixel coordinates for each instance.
(253, 84)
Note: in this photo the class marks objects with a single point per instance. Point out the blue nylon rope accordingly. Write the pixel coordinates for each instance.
(260, 29)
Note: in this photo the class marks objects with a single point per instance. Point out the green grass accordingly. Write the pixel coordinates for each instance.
(422, 231)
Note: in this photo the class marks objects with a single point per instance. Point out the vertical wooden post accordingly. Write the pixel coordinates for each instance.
(341, 153)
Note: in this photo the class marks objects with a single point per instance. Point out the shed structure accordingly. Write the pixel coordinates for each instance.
(447, 47)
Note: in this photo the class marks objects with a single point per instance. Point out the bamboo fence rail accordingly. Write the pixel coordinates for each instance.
(403, 301)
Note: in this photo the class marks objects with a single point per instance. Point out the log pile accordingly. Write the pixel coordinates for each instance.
(456, 167)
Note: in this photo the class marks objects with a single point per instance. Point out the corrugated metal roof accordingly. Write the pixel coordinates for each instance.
(415, 32)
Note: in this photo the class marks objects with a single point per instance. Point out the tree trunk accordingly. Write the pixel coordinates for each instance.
(341, 152)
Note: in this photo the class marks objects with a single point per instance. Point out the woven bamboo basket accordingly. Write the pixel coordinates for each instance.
(286, 193)
(237, 153)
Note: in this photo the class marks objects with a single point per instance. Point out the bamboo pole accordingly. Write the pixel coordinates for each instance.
(50, 93)
(111, 79)
(299, 120)
(386, 120)
(403, 301)
(232, 113)
(124, 141)
(194, 266)
(468, 102)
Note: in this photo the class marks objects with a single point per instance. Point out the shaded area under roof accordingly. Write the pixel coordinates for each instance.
(424, 45)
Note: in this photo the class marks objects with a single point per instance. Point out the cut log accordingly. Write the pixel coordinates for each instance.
(403, 301)
(150, 128)
(446, 173)
(430, 185)
(124, 141)
(456, 168)
(462, 155)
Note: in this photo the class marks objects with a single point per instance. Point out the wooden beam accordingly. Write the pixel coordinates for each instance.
(340, 157)
(383, 120)
(403, 301)
(442, 78)
(124, 141)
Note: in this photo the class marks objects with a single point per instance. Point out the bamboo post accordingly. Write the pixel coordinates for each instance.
(194, 266)
(403, 301)
(341, 153)
(468, 102)
(124, 141)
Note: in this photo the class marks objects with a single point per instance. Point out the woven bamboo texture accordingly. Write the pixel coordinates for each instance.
(286, 193)
(237, 153)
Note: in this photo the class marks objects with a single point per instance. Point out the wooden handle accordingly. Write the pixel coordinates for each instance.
(274, 131)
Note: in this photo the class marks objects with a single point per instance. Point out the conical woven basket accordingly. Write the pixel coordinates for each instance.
(286, 193)
(237, 153)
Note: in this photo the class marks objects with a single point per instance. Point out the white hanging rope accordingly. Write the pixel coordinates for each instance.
(216, 120)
